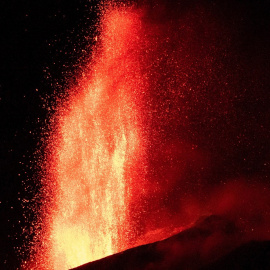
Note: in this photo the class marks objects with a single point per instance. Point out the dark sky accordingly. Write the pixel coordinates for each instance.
(39, 47)
(42, 45)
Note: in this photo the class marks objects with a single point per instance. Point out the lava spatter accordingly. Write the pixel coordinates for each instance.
(152, 125)
(97, 140)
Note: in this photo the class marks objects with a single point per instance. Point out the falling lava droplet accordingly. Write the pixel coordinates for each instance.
(96, 144)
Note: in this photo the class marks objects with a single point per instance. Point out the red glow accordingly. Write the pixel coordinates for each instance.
(99, 138)
(138, 145)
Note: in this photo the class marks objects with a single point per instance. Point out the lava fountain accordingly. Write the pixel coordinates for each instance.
(97, 141)
(116, 160)
(150, 130)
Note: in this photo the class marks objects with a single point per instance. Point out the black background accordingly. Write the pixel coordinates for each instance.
(43, 44)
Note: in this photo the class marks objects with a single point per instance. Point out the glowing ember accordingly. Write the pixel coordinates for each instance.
(98, 137)
(98, 140)
(152, 126)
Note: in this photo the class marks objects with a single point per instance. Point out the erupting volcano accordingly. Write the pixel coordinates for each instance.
(154, 129)
(97, 142)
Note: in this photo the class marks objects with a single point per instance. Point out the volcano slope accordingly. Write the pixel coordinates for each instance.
(213, 242)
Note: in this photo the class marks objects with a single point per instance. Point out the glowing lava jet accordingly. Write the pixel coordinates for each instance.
(152, 128)
(97, 143)
(108, 135)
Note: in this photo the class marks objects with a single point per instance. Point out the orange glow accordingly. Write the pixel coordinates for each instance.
(147, 133)
(98, 141)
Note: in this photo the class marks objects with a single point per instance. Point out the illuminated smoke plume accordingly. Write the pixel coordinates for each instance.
(153, 128)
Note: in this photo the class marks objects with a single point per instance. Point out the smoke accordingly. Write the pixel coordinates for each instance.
(247, 204)
(204, 115)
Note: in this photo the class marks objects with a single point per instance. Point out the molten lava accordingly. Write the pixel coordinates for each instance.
(98, 141)
(152, 127)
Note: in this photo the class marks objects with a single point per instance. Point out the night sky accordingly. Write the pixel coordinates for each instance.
(44, 45)
(39, 48)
